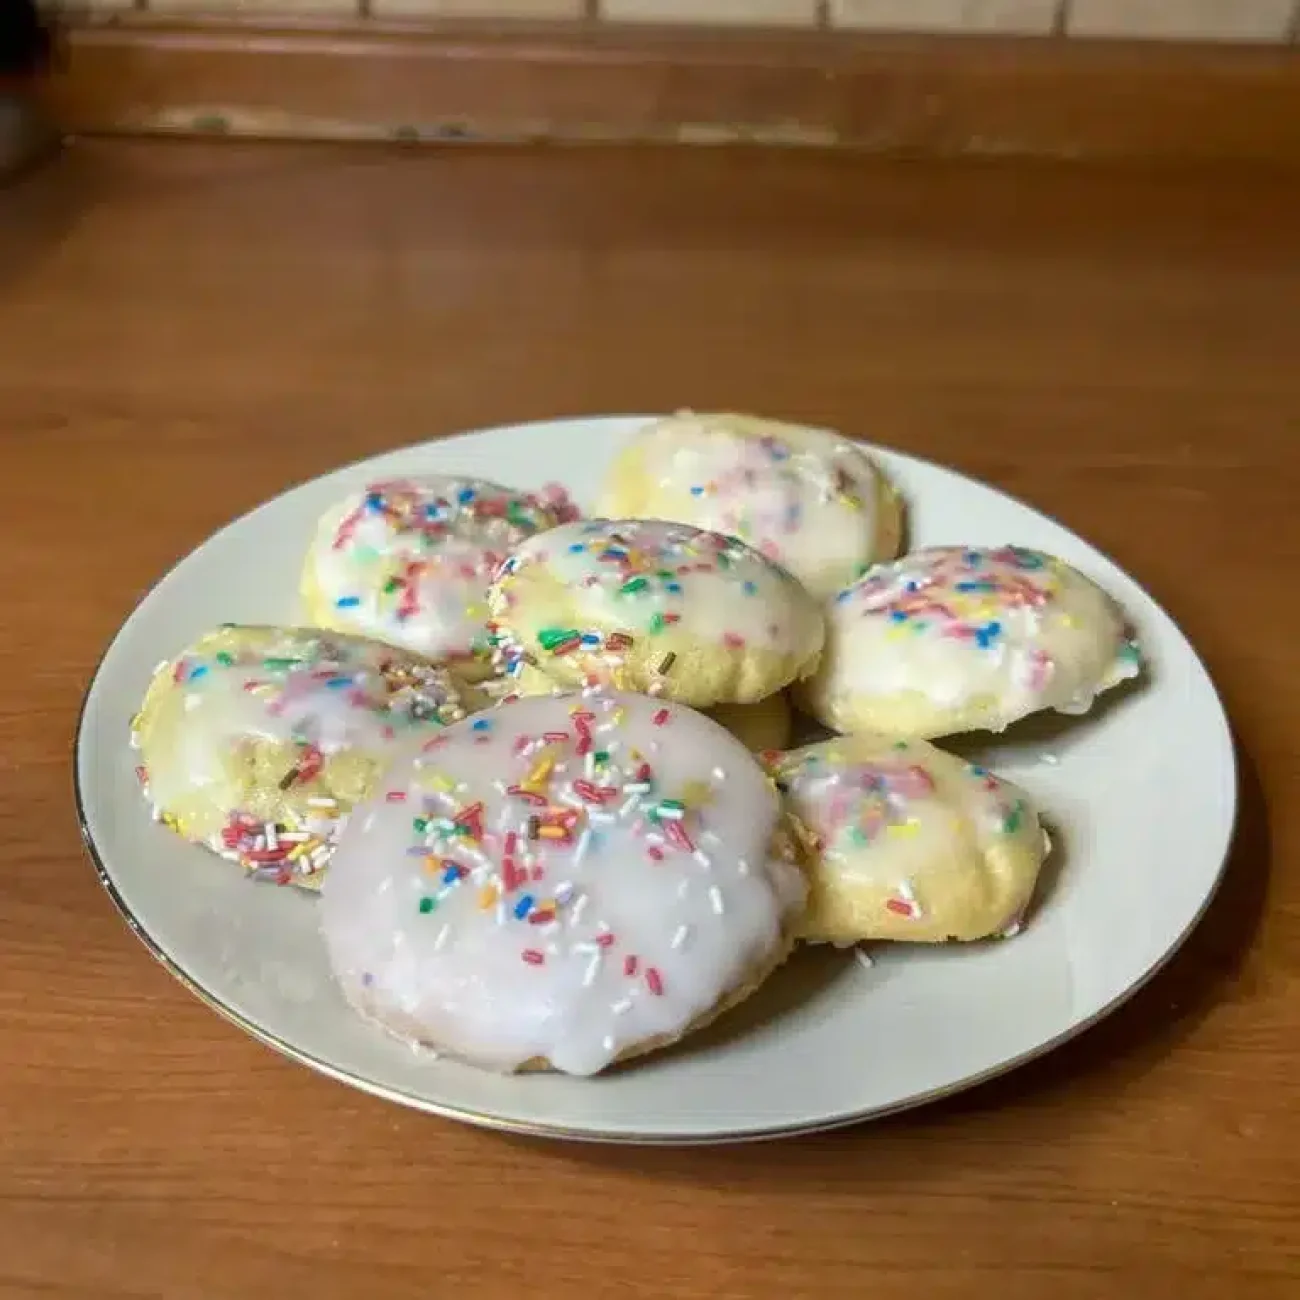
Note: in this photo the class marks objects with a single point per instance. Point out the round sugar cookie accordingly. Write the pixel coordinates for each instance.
(408, 561)
(953, 638)
(654, 607)
(763, 725)
(809, 499)
(256, 741)
(562, 883)
(902, 841)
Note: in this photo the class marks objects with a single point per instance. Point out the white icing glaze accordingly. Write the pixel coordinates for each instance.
(805, 498)
(320, 693)
(641, 576)
(616, 881)
(901, 817)
(408, 561)
(954, 623)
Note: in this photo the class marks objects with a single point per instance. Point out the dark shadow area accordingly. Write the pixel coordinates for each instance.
(808, 973)
(1048, 732)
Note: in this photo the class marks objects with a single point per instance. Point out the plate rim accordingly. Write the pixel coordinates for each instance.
(747, 1134)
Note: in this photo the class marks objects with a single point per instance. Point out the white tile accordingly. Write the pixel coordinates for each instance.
(327, 8)
(1015, 16)
(480, 8)
(1216, 20)
(752, 13)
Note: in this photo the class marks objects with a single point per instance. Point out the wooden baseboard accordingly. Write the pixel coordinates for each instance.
(1046, 98)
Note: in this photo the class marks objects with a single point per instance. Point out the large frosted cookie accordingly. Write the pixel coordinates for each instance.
(807, 498)
(763, 725)
(408, 561)
(954, 638)
(902, 841)
(562, 883)
(256, 741)
(654, 607)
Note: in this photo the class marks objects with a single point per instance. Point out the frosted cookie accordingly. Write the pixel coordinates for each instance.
(256, 741)
(954, 638)
(562, 884)
(763, 725)
(654, 607)
(408, 561)
(809, 499)
(902, 841)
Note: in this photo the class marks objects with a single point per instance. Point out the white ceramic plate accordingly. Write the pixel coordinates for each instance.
(1141, 795)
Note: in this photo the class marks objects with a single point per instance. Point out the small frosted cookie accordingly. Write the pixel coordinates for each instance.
(761, 726)
(809, 499)
(408, 561)
(256, 741)
(902, 841)
(954, 638)
(655, 607)
(561, 884)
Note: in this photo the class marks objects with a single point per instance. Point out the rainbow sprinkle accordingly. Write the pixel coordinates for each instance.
(561, 797)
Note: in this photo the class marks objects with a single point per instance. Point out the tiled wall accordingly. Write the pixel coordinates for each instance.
(1231, 20)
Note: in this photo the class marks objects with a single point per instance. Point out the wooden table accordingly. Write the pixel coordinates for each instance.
(186, 329)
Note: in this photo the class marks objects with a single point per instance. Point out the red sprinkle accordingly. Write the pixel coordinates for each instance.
(471, 819)
(899, 906)
(393, 796)
(678, 836)
(528, 796)
(589, 792)
(660, 718)
(605, 939)
(656, 852)
(629, 965)
(347, 527)
(733, 640)
(311, 762)
(533, 957)
(654, 981)
(555, 737)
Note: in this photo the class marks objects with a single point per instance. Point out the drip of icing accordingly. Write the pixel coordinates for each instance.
(953, 623)
(565, 878)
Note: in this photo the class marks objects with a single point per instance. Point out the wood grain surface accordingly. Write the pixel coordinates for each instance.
(187, 329)
(258, 75)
